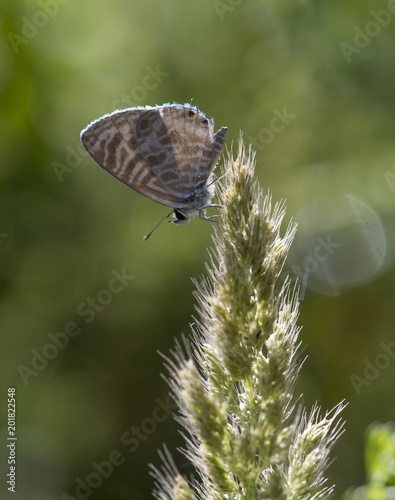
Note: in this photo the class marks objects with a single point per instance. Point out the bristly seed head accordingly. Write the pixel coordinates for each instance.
(236, 399)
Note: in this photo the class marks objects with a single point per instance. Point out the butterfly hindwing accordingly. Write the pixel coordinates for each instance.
(192, 138)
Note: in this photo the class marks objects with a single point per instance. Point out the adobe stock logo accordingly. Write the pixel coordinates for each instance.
(390, 179)
(138, 94)
(130, 441)
(319, 253)
(87, 309)
(30, 27)
(372, 369)
(372, 28)
(223, 6)
(276, 125)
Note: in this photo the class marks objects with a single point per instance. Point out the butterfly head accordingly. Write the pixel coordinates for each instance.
(183, 216)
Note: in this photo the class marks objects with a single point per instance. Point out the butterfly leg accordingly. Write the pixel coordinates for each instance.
(210, 206)
(212, 217)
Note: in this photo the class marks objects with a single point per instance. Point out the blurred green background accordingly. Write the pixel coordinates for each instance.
(66, 226)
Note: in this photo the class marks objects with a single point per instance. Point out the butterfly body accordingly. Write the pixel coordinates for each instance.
(167, 153)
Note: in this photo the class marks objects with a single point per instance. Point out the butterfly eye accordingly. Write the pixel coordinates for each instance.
(191, 113)
(179, 215)
(205, 122)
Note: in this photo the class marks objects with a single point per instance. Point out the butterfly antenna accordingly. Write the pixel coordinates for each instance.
(164, 217)
(216, 180)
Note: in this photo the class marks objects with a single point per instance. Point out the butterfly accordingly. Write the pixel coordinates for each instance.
(166, 153)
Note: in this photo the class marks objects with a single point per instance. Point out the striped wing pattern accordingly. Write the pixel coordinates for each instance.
(166, 153)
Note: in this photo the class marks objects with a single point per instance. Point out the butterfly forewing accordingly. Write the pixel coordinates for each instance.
(111, 141)
(158, 151)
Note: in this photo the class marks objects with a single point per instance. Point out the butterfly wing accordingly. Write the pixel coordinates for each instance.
(112, 143)
(164, 153)
(197, 146)
(186, 138)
